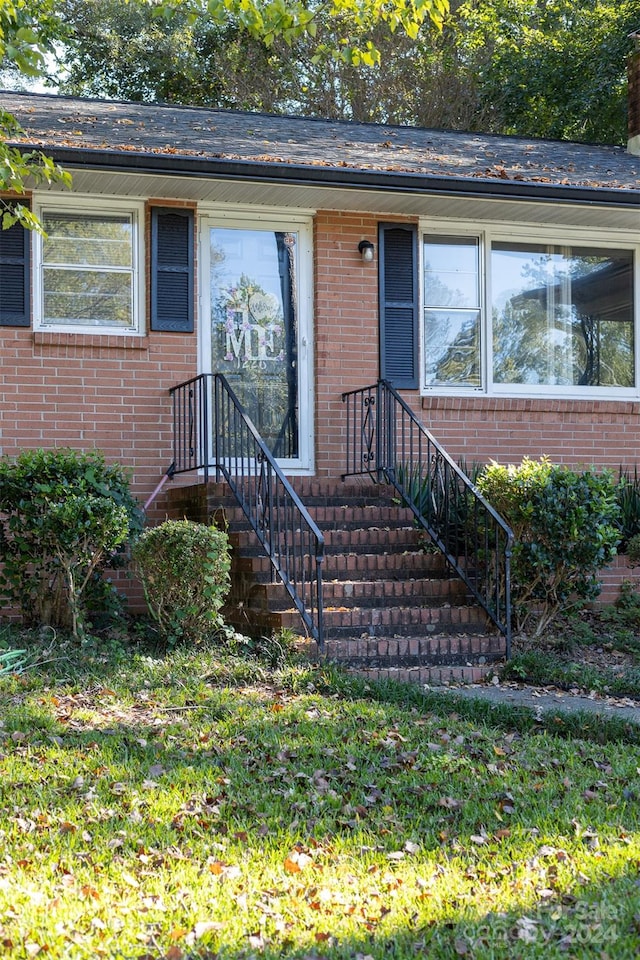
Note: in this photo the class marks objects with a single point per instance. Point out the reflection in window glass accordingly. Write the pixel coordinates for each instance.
(88, 270)
(254, 328)
(562, 316)
(452, 311)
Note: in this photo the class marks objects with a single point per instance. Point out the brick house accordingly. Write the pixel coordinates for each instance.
(491, 281)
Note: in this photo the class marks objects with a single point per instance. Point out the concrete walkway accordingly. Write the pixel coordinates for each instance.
(546, 699)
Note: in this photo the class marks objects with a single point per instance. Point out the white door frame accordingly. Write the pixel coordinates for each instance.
(252, 219)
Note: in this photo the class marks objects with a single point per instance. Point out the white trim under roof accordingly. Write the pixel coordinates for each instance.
(384, 204)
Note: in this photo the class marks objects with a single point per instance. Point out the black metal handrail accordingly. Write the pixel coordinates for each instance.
(386, 440)
(212, 432)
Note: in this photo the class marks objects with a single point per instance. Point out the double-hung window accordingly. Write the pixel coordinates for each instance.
(506, 314)
(88, 277)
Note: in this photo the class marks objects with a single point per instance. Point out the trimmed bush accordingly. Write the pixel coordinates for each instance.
(64, 515)
(565, 526)
(184, 569)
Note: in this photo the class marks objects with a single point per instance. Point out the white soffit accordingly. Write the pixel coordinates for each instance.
(384, 203)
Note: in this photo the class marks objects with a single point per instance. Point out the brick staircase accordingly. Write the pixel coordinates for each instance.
(391, 607)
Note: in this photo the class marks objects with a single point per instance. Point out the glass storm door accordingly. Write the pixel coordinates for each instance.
(255, 330)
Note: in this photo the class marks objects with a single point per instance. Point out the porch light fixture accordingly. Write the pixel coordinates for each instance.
(365, 248)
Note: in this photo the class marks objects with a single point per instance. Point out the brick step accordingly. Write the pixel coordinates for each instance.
(445, 674)
(327, 490)
(367, 593)
(401, 620)
(311, 490)
(408, 651)
(371, 540)
(390, 608)
(347, 623)
(344, 517)
(350, 517)
(358, 566)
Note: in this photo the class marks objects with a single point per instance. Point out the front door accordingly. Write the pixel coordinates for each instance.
(258, 306)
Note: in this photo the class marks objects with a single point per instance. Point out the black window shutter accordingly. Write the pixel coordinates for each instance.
(172, 273)
(15, 299)
(398, 259)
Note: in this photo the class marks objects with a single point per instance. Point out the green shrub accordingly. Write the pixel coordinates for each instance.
(565, 529)
(64, 515)
(628, 497)
(184, 569)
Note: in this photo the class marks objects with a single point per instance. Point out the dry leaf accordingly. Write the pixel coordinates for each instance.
(200, 929)
(129, 880)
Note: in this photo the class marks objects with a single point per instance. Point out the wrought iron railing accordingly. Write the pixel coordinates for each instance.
(213, 433)
(387, 441)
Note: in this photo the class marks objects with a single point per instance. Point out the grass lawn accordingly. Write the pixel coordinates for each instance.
(200, 805)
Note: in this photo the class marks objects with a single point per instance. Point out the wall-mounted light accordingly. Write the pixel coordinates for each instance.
(365, 248)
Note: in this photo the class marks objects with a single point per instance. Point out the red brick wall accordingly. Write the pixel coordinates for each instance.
(94, 392)
(575, 432)
(346, 319)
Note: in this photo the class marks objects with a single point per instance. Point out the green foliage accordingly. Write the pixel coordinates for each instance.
(292, 19)
(28, 29)
(528, 67)
(439, 494)
(12, 661)
(63, 516)
(621, 620)
(565, 529)
(550, 68)
(18, 168)
(632, 550)
(184, 569)
(628, 497)
(275, 650)
(542, 668)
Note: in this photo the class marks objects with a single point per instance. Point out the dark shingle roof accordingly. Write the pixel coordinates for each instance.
(214, 136)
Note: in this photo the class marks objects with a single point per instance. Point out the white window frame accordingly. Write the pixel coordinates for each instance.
(486, 233)
(89, 206)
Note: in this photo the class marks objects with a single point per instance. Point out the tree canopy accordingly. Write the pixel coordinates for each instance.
(547, 68)
(541, 68)
(28, 29)
(32, 30)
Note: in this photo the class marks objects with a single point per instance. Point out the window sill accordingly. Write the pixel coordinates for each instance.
(577, 405)
(104, 341)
